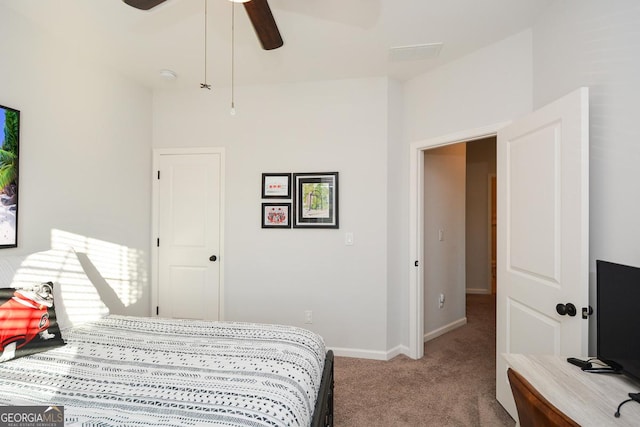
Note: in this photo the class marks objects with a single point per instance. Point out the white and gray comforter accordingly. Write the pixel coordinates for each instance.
(126, 371)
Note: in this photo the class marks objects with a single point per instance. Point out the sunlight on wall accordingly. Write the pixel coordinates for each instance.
(123, 268)
(76, 299)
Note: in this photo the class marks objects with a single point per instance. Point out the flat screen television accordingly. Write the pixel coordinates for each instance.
(9, 147)
(618, 323)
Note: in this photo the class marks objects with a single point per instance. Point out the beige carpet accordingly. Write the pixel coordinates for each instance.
(453, 385)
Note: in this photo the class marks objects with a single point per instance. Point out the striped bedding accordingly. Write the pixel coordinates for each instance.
(129, 371)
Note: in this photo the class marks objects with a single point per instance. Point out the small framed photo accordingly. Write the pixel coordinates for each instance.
(276, 215)
(315, 200)
(276, 185)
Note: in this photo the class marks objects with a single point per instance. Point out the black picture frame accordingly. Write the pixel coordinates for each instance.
(9, 173)
(276, 215)
(276, 186)
(316, 200)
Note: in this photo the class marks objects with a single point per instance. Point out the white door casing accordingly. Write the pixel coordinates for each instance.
(416, 221)
(543, 244)
(187, 258)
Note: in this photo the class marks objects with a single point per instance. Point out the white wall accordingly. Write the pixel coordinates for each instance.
(488, 86)
(444, 238)
(594, 43)
(275, 275)
(84, 156)
(397, 232)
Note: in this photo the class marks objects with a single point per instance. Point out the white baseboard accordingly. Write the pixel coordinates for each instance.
(370, 354)
(478, 291)
(401, 349)
(446, 328)
(396, 351)
(359, 354)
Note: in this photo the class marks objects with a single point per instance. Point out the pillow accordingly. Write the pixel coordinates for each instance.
(77, 299)
(28, 322)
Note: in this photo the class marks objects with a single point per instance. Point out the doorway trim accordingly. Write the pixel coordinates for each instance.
(155, 223)
(416, 225)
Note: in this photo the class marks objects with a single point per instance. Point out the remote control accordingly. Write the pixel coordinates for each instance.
(603, 370)
(579, 362)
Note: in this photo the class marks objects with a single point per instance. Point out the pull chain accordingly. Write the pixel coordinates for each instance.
(233, 56)
(205, 85)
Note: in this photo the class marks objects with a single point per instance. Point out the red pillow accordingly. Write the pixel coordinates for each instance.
(28, 321)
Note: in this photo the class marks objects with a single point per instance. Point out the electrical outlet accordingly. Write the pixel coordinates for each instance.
(308, 316)
(441, 301)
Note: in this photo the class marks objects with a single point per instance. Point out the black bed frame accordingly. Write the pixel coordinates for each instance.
(323, 412)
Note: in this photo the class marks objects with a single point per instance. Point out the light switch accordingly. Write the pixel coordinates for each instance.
(348, 238)
(440, 235)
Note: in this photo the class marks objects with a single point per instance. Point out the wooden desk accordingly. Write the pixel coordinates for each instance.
(589, 399)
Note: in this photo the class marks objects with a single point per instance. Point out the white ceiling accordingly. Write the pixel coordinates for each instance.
(323, 39)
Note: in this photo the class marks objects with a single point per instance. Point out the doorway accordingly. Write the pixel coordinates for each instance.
(457, 231)
(416, 226)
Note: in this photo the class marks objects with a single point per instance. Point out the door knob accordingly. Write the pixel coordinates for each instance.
(567, 308)
(213, 258)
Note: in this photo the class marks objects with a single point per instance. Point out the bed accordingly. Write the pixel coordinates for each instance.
(120, 371)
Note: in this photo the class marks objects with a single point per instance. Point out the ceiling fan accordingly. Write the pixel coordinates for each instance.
(259, 14)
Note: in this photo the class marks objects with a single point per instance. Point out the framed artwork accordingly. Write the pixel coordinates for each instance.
(315, 200)
(276, 185)
(276, 215)
(9, 147)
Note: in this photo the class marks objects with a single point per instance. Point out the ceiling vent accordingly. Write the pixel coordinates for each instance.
(416, 52)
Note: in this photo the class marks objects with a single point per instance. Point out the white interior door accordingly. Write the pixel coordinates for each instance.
(189, 193)
(543, 245)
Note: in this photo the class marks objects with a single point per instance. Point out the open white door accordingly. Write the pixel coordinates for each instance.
(543, 242)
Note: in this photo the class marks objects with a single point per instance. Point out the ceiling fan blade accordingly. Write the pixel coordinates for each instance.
(143, 4)
(264, 24)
